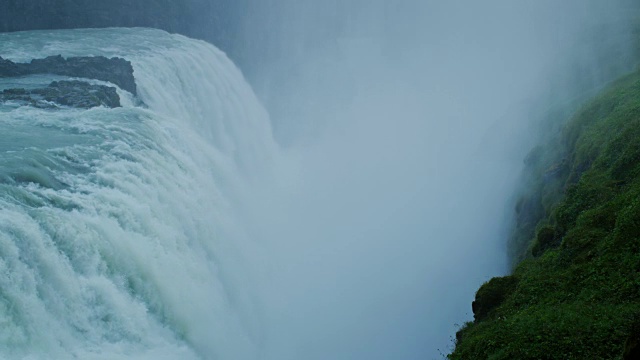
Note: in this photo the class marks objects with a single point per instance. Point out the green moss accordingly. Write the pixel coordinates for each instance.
(492, 294)
(577, 235)
(545, 239)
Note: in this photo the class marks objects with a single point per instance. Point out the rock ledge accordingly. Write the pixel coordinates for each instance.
(115, 70)
(77, 94)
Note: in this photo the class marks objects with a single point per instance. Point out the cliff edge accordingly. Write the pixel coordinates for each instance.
(576, 292)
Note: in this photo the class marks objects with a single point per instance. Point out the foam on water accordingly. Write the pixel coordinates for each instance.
(118, 237)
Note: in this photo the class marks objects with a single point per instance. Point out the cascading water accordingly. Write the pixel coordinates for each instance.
(118, 237)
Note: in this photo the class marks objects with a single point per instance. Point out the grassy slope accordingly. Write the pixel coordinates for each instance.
(576, 294)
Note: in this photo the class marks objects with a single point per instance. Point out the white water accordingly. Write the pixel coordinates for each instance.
(118, 230)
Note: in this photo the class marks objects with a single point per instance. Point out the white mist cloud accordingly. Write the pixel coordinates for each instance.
(406, 124)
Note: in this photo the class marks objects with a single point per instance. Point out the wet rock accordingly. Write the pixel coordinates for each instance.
(115, 70)
(77, 94)
(10, 69)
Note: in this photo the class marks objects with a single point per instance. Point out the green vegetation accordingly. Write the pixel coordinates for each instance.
(575, 293)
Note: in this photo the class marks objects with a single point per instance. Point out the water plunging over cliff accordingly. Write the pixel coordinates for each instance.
(118, 237)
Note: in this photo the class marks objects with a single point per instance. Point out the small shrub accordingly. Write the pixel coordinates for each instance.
(545, 239)
(491, 295)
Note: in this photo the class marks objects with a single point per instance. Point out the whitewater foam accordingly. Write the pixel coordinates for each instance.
(118, 237)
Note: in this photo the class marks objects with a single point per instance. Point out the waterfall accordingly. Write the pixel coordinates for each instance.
(119, 233)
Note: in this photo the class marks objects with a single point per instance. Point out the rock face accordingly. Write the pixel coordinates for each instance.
(78, 94)
(115, 70)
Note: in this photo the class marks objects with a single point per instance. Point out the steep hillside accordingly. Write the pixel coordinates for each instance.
(576, 294)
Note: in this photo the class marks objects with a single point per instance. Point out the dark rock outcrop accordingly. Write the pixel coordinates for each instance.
(10, 69)
(115, 70)
(78, 94)
(491, 295)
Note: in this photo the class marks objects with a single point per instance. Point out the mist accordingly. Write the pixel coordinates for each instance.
(403, 127)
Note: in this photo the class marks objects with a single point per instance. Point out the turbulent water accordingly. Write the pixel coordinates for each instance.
(118, 236)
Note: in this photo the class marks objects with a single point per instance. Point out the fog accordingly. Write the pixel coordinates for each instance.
(403, 126)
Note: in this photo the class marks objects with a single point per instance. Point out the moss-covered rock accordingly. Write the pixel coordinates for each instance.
(491, 295)
(545, 239)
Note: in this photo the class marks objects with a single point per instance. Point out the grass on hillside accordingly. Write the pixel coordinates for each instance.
(576, 293)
